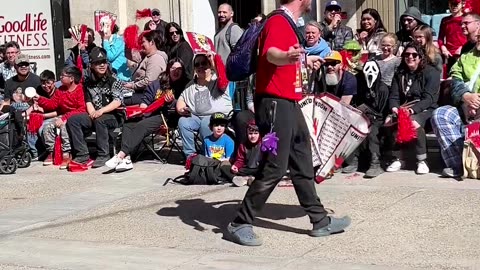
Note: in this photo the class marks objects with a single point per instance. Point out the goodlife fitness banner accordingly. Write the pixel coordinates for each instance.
(29, 22)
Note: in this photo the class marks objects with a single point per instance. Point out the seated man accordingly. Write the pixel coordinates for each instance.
(449, 121)
(15, 92)
(103, 95)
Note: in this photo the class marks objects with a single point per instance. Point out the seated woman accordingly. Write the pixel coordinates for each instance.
(204, 96)
(67, 101)
(169, 85)
(314, 43)
(371, 32)
(153, 63)
(418, 84)
(423, 35)
(115, 47)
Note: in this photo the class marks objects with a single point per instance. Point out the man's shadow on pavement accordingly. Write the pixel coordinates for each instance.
(196, 212)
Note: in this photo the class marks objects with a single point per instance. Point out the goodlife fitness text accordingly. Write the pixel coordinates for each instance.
(30, 32)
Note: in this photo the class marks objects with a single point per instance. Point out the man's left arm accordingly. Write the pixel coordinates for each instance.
(235, 35)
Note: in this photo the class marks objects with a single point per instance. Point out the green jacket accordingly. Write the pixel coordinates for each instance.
(465, 68)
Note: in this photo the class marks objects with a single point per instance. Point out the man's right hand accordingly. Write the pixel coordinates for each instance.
(336, 21)
(471, 100)
(294, 53)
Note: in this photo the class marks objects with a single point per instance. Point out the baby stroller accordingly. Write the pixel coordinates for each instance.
(12, 155)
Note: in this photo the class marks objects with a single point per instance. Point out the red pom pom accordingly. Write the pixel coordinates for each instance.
(346, 57)
(406, 130)
(144, 13)
(35, 122)
(131, 38)
(57, 151)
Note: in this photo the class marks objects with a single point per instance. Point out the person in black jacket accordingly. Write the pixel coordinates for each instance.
(170, 85)
(416, 84)
(177, 46)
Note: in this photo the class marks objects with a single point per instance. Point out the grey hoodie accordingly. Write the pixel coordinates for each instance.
(403, 36)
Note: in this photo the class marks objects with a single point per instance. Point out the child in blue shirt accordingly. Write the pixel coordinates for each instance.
(219, 145)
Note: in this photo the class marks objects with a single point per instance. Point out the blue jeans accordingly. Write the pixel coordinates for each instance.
(32, 139)
(187, 126)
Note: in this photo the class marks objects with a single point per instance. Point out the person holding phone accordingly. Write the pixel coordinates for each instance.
(334, 32)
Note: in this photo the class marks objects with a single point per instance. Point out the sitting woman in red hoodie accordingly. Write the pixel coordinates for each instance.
(68, 100)
(245, 167)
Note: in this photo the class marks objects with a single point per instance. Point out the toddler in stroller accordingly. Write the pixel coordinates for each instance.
(13, 153)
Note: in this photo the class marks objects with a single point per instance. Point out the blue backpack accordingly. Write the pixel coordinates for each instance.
(242, 61)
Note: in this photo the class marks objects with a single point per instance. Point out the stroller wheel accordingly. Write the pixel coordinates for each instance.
(24, 160)
(8, 165)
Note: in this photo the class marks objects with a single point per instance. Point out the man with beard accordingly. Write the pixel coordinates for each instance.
(229, 32)
(156, 23)
(279, 87)
(409, 20)
(448, 121)
(335, 80)
(470, 27)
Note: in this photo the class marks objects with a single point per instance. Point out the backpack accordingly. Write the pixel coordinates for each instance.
(202, 171)
(242, 61)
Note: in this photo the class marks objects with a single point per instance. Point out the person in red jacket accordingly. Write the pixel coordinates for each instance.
(68, 100)
(451, 37)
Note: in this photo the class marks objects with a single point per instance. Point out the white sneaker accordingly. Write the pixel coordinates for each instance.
(113, 162)
(422, 168)
(396, 166)
(125, 165)
(240, 181)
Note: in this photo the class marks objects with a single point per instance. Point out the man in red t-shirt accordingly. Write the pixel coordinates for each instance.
(282, 78)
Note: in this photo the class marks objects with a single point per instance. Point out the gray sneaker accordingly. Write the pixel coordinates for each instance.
(451, 173)
(336, 225)
(244, 235)
(240, 181)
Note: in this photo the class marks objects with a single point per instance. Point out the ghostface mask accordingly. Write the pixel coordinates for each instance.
(371, 70)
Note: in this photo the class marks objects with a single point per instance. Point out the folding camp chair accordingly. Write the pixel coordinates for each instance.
(149, 141)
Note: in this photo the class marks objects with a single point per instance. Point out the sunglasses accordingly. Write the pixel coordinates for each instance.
(200, 64)
(23, 65)
(174, 33)
(334, 9)
(409, 20)
(155, 14)
(331, 63)
(406, 55)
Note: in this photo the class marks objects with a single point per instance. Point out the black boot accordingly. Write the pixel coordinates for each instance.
(352, 166)
(375, 167)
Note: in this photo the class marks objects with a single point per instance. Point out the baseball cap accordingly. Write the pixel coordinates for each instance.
(219, 118)
(22, 58)
(97, 55)
(155, 10)
(332, 4)
(334, 56)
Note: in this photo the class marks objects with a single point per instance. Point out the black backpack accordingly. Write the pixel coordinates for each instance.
(203, 171)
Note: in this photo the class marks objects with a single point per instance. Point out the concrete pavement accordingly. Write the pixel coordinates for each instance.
(51, 219)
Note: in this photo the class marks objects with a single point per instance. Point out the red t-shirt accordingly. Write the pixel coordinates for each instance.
(279, 81)
(451, 34)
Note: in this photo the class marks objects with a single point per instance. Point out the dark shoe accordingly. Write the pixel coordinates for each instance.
(350, 168)
(451, 173)
(243, 234)
(337, 225)
(100, 161)
(81, 159)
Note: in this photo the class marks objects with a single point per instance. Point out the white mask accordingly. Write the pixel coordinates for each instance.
(371, 70)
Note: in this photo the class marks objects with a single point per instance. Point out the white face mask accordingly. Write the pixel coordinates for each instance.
(371, 72)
